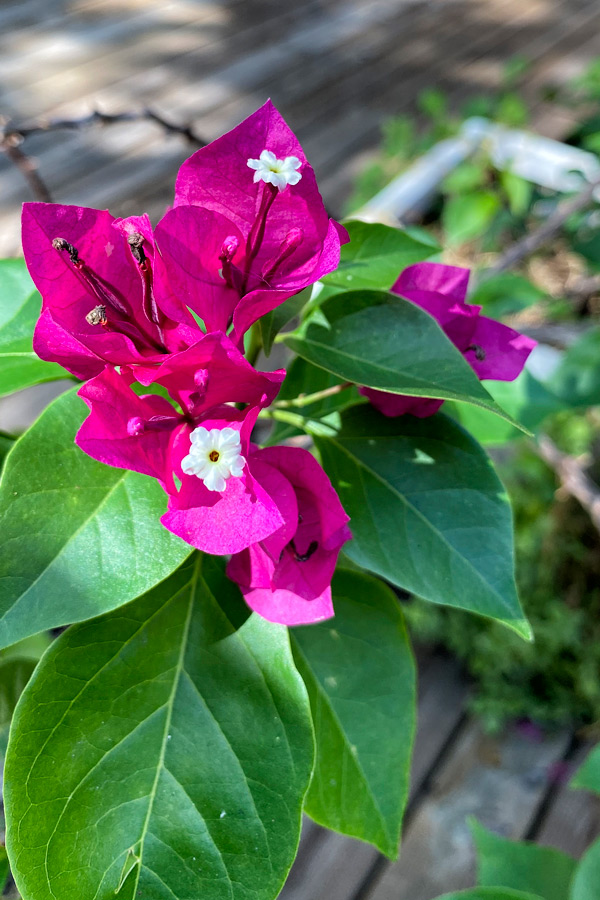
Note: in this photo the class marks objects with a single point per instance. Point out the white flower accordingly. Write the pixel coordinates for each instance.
(214, 456)
(278, 172)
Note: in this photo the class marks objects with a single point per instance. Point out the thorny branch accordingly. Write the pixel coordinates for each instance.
(572, 477)
(12, 138)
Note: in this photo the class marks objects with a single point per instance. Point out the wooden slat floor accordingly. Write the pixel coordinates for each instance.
(335, 68)
(514, 784)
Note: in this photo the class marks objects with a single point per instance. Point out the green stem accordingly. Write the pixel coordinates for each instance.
(307, 399)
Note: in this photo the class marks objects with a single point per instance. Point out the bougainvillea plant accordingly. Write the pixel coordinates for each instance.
(180, 512)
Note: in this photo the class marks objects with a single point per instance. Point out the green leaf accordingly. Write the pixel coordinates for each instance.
(6, 442)
(525, 398)
(506, 294)
(587, 875)
(19, 310)
(78, 537)
(14, 675)
(4, 868)
(489, 893)
(376, 255)
(518, 192)
(588, 775)
(467, 216)
(388, 343)
(522, 866)
(577, 379)
(427, 511)
(360, 676)
(468, 176)
(272, 323)
(160, 752)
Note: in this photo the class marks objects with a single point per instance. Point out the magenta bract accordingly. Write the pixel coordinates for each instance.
(274, 241)
(287, 578)
(493, 350)
(99, 302)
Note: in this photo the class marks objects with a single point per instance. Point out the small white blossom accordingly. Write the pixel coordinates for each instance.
(278, 172)
(214, 456)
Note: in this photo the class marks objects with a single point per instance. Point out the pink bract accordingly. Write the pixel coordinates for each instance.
(287, 578)
(148, 434)
(274, 242)
(98, 302)
(493, 350)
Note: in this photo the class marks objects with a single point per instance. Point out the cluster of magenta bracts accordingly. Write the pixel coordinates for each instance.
(121, 304)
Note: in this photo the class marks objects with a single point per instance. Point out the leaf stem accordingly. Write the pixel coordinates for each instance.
(307, 399)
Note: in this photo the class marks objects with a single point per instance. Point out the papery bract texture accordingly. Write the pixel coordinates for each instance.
(274, 242)
(493, 350)
(148, 434)
(287, 578)
(99, 303)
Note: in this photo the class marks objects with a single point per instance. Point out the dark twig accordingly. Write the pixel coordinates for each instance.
(572, 477)
(27, 167)
(13, 136)
(96, 117)
(535, 239)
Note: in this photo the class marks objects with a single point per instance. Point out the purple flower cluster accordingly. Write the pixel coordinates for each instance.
(121, 309)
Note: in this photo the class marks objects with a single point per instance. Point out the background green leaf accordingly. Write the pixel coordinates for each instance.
(78, 537)
(388, 343)
(577, 379)
(376, 255)
(587, 876)
(467, 216)
(360, 676)
(427, 510)
(20, 306)
(505, 294)
(521, 865)
(161, 751)
(272, 323)
(588, 775)
(4, 868)
(525, 399)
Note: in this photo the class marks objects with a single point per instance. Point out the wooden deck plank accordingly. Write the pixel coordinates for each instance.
(500, 782)
(572, 821)
(330, 865)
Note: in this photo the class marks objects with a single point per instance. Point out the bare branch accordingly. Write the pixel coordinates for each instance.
(96, 117)
(537, 238)
(27, 167)
(572, 477)
(13, 136)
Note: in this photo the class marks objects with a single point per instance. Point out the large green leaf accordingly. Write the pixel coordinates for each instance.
(158, 752)
(78, 538)
(359, 672)
(375, 256)
(522, 866)
(588, 775)
(587, 875)
(427, 510)
(19, 309)
(388, 343)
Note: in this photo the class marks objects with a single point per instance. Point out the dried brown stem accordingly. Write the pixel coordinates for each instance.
(537, 238)
(13, 136)
(572, 477)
